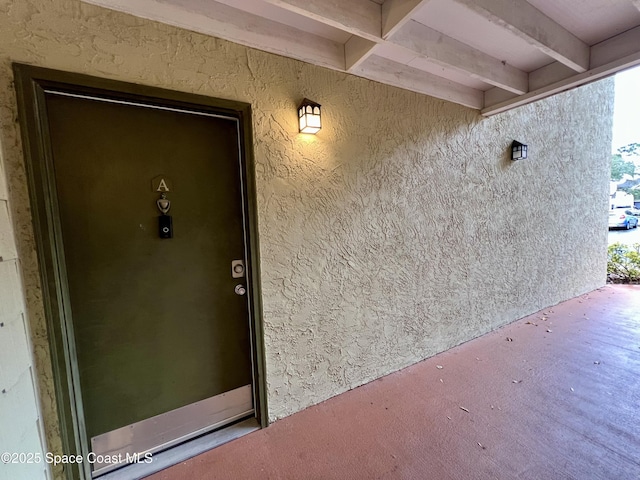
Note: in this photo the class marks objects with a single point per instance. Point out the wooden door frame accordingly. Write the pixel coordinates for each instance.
(31, 84)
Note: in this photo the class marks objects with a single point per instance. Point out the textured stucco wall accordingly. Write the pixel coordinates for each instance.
(20, 421)
(402, 229)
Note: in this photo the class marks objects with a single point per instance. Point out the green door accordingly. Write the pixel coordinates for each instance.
(161, 325)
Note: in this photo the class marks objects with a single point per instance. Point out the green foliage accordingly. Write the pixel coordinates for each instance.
(624, 262)
(619, 167)
(632, 149)
(631, 191)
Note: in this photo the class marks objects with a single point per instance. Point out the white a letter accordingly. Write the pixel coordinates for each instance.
(162, 187)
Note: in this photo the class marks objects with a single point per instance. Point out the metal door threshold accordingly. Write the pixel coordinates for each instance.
(183, 452)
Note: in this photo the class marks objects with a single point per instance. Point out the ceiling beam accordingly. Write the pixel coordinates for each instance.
(496, 95)
(356, 51)
(452, 54)
(552, 73)
(222, 21)
(392, 73)
(538, 79)
(608, 57)
(361, 18)
(358, 17)
(626, 43)
(525, 21)
(563, 85)
(395, 13)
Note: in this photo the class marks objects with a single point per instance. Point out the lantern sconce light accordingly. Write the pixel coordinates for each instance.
(518, 150)
(309, 117)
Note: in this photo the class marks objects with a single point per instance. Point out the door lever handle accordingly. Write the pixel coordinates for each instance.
(240, 290)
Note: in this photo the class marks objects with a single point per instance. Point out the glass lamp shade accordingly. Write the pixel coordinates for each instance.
(309, 117)
(518, 151)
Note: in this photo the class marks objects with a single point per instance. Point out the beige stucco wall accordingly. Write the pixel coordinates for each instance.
(400, 230)
(20, 421)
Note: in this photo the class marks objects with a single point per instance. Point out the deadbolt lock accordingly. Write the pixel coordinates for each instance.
(237, 269)
(240, 290)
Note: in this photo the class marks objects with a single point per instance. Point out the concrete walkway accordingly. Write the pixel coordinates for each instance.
(553, 396)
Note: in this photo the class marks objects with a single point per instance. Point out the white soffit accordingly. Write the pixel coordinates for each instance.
(406, 57)
(448, 74)
(272, 12)
(595, 24)
(491, 55)
(457, 21)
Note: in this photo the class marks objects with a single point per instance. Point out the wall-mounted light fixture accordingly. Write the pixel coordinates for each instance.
(518, 151)
(309, 117)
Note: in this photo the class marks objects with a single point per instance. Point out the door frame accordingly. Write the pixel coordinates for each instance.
(31, 84)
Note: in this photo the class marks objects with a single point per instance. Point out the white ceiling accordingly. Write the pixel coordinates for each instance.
(491, 55)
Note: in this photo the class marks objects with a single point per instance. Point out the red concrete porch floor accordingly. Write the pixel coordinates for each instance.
(555, 395)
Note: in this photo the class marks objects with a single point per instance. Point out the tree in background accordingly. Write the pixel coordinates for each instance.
(620, 167)
(633, 149)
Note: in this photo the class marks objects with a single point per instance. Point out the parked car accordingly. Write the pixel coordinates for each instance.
(622, 218)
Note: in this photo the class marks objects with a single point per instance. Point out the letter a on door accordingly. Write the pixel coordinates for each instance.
(162, 187)
(161, 184)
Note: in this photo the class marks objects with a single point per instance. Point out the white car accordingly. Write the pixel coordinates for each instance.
(622, 218)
